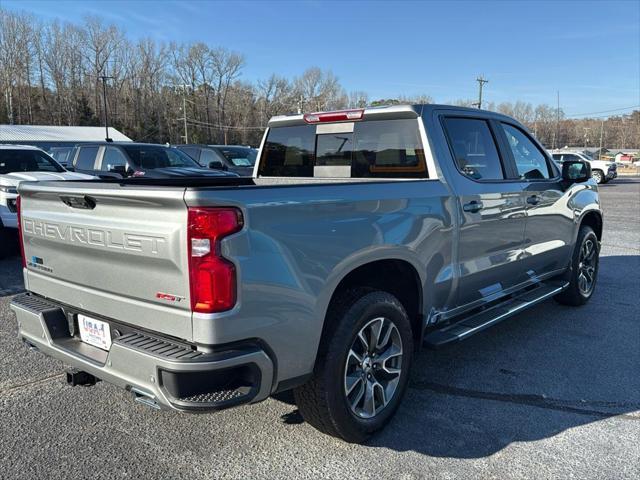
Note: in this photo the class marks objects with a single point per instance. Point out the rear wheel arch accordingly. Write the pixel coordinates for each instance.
(398, 277)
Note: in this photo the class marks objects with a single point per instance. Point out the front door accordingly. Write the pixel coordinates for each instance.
(550, 225)
(492, 211)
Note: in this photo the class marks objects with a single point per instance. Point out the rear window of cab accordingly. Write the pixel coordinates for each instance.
(376, 149)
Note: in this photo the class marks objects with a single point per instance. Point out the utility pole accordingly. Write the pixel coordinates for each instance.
(184, 110)
(601, 134)
(104, 79)
(586, 136)
(557, 139)
(481, 81)
(184, 117)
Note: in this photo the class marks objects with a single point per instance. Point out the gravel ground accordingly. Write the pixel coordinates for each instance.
(554, 392)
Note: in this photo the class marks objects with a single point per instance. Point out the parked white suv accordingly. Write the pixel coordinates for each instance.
(21, 163)
(601, 170)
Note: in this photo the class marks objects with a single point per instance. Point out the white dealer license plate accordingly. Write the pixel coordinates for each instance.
(94, 332)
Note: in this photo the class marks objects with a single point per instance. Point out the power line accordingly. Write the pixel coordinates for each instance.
(198, 123)
(603, 111)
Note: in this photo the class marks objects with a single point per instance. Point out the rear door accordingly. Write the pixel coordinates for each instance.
(549, 226)
(491, 207)
(117, 251)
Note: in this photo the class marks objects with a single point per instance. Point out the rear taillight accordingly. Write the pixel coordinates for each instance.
(20, 239)
(338, 116)
(212, 278)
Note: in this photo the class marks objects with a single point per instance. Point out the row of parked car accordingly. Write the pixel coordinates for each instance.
(20, 163)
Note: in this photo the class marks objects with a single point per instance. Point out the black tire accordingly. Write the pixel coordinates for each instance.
(598, 176)
(575, 295)
(6, 243)
(323, 400)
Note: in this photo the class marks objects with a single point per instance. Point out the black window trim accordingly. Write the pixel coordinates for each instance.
(550, 163)
(506, 162)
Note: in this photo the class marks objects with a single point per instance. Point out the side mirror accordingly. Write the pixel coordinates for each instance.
(218, 165)
(576, 171)
(119, 169)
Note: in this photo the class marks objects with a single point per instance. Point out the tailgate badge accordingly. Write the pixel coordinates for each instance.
(85, 202)
(169, 297)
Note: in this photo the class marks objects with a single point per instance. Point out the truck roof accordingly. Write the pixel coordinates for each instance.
(391, 111)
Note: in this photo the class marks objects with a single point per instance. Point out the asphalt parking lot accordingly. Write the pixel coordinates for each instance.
(554, 392)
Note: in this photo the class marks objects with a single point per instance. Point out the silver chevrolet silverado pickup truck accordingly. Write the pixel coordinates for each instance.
(363, 235)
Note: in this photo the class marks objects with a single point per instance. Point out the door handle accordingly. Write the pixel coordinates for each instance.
(533, 200)
(473, 207)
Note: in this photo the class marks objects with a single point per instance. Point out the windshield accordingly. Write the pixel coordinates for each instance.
(27, 161)
(148, 157)
(240, 156)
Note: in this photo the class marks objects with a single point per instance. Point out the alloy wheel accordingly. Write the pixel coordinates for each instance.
(587, 263)
(373, 367)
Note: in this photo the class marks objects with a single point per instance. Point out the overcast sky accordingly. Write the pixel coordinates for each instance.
(589, 51)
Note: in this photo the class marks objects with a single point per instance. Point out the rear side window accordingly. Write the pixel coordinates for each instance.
(530, 161)
(86, 158)
(376, 149)
(474, 148)
(289, 152)
(112, 158)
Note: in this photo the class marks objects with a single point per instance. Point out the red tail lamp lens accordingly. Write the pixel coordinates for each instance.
(212, 277)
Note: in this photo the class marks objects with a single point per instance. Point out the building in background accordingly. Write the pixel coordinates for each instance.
(58, 141)
(48, 136)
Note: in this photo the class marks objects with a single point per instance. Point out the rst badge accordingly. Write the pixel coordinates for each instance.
(168, 297)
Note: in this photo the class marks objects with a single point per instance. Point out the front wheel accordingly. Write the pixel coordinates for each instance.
(597, 175)
(362, 368)
(584, 269)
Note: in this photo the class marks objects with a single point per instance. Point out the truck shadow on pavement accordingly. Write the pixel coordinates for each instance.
(532, 377)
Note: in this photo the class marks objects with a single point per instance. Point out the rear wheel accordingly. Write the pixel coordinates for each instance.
(597, 175)
(362, 367)
(584, 269)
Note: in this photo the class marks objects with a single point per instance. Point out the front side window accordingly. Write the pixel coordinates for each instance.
(474, 148)
(530, 161)
(193, 152)
(376, 148)
(240, 156)
(60, 155)
(26, 161)
(207, 156)
(86, 158)
(113, 158)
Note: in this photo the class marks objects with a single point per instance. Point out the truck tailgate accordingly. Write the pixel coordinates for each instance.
(117, 250)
